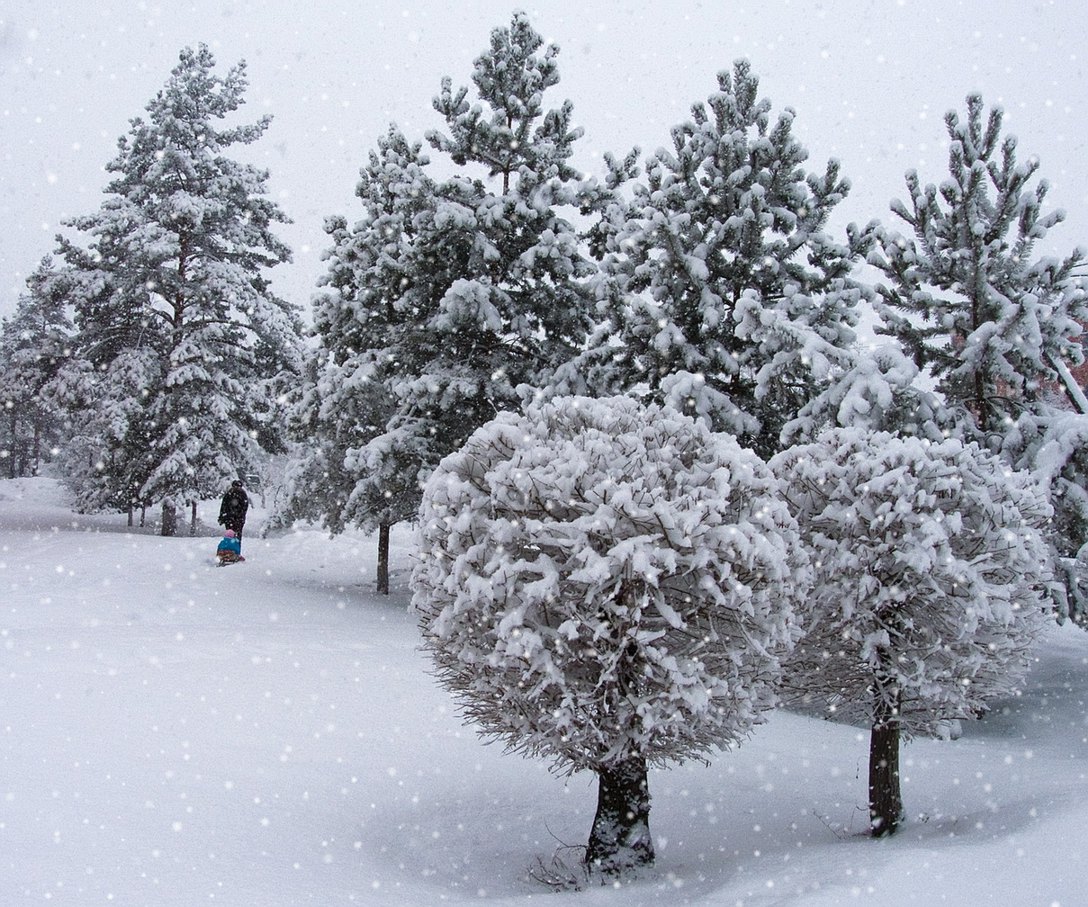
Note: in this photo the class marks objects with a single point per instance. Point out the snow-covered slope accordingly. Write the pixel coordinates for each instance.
(172, 733)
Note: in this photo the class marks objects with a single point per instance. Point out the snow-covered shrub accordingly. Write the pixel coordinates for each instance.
(929, 586)
(609, 586)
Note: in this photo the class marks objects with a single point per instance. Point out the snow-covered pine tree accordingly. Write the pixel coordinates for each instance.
(608, 586)
(35, 344)
(102, 388)
(507, 298)
(965, 298)
(721, 293)
(447, 299)
(929, 587)
(186, 348)
(355, 465)
(996, 326)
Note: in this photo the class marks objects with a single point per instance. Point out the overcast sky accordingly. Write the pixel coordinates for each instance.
(870, 81)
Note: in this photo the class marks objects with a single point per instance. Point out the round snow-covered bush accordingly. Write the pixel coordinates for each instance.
(601, 581)
(929, 576)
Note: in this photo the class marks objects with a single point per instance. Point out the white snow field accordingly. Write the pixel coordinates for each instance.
(268, 734)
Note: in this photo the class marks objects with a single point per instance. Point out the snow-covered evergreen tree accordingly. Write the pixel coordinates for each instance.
(449, 297)
(722, 294)
(506, 300)
(354, 467)
(875, 389)
(609, 586)
(929, 586)
(35, 344)
(997, 327)
(966, 297)
(184, 349)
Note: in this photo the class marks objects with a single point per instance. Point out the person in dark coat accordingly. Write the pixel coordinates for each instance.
(232, 512)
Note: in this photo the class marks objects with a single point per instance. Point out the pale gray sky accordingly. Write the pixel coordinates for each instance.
(870, 81)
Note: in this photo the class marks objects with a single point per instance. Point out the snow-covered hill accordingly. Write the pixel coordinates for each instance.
(172, 733)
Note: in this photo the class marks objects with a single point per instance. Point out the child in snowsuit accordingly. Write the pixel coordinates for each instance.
(230, 549)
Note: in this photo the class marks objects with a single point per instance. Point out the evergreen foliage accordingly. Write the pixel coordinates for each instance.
(508, 300)
(877, 390)
(965, 298)
(996, 327)
(930, 575)
(181, 350)
(721, 293)
(609, 586)
(1054, 446)
(35, 344)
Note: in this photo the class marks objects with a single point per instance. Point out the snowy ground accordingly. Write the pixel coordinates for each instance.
(172, 733)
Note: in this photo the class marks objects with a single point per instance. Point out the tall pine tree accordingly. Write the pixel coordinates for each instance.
(997, 327)
(511, 301)
(183, 349)
(450, 299)
(363, 315)
(966, 296)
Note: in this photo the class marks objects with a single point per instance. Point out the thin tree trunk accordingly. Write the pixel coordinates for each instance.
(620, 841)
(13, 467)
(192, 519)
(383, 558)
(36, 447)
(885, 794)
(169, 519)
(1072, 389)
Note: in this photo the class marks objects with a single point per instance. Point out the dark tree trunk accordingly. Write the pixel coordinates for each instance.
(169, 518)
(192, 518)
(885, 795)
(13, 466)
(620, 840)
(383, 558)
(36, 447)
